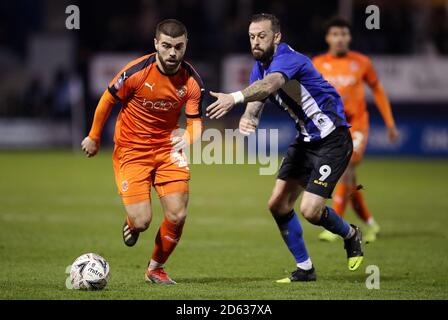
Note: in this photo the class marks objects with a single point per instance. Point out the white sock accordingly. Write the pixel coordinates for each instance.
(305, 265)
(154, 265)
(370, 221)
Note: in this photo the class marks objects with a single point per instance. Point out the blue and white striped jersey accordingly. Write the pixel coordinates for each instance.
(310, 100)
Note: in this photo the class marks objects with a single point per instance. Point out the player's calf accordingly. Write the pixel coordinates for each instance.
(314, 210)
(138, 219)
(312, 207)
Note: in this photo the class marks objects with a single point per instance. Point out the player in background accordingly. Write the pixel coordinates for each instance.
(347, 71)
(149, 147)
(319, 154)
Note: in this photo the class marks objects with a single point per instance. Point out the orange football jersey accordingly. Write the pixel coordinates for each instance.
(348, 74)
(152, 101)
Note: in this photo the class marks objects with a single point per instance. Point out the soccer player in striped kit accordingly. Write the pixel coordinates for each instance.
(317, 157)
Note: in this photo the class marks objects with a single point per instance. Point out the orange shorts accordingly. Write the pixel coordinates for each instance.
(136, 170)
(360, 135)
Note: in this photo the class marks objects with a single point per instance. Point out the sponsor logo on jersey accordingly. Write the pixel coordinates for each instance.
(327, 66)
(342, 80)
(320, 183)
(159, 105)
(150, 86)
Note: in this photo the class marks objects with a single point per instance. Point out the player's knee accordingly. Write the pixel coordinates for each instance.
(345, 178)
(176, 216)
(279, 207)
(350, 174)
(140, 215)
(141, 223)
(311, 211)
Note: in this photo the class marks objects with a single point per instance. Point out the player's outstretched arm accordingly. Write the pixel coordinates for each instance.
(251, 117)
(91, 144)
(257, 91)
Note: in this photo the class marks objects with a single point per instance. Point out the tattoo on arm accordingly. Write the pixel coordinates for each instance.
(261, 89)
(254, 110)
(257, 91)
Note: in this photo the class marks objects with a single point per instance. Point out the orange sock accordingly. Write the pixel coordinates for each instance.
(166, 240)
(340, 198)
(360, 206)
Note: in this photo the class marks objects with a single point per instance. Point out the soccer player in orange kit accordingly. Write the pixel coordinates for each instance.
(149, 150)
(347, 71)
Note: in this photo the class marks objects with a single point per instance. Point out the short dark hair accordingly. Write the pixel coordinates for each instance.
(171, 27)
(275, 23)
(337, 22)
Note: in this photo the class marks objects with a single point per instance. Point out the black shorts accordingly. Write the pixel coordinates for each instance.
(318, 165)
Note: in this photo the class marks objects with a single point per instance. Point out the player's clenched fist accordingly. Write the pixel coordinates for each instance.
(90, 146)
(248, 125)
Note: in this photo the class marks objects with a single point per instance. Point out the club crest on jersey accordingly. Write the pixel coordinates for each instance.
(124, 186)
(181, 92)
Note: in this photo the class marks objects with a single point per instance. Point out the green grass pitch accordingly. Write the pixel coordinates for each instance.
(56, 206)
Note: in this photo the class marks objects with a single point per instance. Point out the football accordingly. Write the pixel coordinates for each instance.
(89, 272)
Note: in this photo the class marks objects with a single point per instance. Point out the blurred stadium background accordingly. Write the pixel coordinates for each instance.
(53, 77)
(51, 81)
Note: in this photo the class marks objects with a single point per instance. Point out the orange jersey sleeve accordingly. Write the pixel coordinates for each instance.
(195, 89)
(383, 105)
(119, 89)
(102, 113)
(379, 94)
(193, 130)
(127, 80)
(193, 107)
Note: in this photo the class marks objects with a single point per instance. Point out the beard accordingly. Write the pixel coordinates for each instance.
(264, 56)
(169, 67)
(342, 51)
